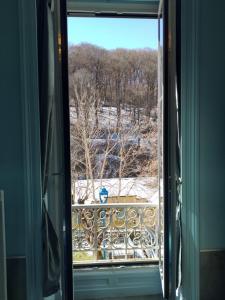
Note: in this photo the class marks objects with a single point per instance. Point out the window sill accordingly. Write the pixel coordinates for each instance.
(120, 281)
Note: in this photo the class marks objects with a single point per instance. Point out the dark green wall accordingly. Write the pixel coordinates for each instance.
(212, 124)
(20, 147)
(11, 149)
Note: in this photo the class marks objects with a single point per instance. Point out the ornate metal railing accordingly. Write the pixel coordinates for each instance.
(114, 232)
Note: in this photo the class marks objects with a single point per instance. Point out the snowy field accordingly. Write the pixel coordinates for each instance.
(108, 116)
(141, 187)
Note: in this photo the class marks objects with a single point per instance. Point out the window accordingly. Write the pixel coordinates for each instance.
(113, 65)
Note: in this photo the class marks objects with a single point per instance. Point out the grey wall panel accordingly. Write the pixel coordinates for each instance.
(3, 279)
(212, 270)
(16, 278)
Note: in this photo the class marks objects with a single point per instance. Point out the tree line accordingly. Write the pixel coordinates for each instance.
(120, 78)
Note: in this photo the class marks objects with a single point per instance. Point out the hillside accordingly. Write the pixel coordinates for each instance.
(113, 113)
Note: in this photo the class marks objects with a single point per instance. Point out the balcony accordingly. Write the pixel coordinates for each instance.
(115, 233)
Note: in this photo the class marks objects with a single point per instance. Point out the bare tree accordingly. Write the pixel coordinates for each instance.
(113, 129)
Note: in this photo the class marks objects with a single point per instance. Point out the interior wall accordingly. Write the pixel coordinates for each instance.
(11, 149)
(212, 124)
(19, 148)
(203, 161)
(203, 92)
(212, 145)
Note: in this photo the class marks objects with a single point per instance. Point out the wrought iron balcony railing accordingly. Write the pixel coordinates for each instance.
(114, 232)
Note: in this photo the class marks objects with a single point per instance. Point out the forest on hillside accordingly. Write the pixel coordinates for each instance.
(113, 111)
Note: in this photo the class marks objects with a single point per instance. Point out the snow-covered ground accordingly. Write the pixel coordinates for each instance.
(107, 117)
(142, 187)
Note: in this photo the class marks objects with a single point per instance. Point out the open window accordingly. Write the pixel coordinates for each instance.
(55, 155)
(114, 139)
(169, 148)
(95, 225)
(141, 232)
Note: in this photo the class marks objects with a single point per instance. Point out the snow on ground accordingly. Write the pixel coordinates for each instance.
(141, 187)
(107, 117)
